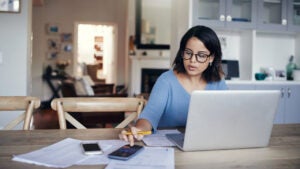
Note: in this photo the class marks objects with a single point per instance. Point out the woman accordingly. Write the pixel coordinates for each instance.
(197, 66)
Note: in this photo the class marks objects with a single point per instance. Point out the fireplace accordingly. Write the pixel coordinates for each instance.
(158, 64)
(149, 77)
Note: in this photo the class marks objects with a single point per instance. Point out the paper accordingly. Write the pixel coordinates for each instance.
(59, 155)
(159, 139)
(107, 147)
(68, 152)
(149, 158)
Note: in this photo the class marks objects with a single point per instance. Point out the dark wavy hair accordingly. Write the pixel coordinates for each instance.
(211, 41)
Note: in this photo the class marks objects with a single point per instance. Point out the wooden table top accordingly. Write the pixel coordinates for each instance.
(282, 153)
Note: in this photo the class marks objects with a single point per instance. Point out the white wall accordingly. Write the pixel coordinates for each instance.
(15, 48)
(273, 50)
(180, 16)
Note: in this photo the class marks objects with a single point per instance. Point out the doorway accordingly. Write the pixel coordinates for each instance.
(95, 51)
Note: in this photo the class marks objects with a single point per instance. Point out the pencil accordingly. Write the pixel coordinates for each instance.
(140, 132)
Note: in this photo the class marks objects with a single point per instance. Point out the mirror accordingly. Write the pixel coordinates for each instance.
(153, 24)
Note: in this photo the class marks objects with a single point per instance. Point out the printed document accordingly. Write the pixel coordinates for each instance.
(149, 158)
(68, 152)
(159, 138)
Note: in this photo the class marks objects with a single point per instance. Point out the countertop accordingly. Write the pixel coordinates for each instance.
(275, 82)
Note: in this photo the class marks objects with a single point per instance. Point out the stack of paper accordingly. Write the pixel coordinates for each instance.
(68, 152)
(149, 158)
(159, 139)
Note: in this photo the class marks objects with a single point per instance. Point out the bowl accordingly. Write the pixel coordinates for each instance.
(260, 76)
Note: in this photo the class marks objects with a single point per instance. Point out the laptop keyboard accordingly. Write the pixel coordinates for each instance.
(176, 138)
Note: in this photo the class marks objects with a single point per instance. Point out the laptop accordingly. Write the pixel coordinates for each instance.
(228, 119)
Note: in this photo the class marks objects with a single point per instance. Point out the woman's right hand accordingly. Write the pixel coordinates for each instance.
(131, 137)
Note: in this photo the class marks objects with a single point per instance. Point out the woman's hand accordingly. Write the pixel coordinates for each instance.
(131, 137)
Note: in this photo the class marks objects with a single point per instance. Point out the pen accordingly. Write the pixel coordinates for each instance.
(140, 132)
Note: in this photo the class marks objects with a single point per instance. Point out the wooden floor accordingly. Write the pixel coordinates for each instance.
(47, 119)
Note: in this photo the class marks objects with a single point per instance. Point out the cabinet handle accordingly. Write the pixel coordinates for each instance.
(282, 92)
(289, 92)
(222, 18)
(228, 18)
(284, 22)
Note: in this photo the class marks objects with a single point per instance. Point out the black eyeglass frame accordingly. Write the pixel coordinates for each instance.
(191, 54)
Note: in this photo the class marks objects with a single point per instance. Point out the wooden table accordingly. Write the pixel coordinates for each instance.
(283, 152)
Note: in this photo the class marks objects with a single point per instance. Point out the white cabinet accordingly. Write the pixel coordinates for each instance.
(279, 15)
(264, 15)
(280, 115)
(272, 15)
(225, 13)
(289, 103)
(289, 107)
(292, 106)
(294, 15)
(237, 86)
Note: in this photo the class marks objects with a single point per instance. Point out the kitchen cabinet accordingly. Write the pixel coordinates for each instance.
(237, 86)
(294, 15)
(279, 118)
(225, 13)
(279, 15)
(289, 108)
(262, 15)
(272, 15)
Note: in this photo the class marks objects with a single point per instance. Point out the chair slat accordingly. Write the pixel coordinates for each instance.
(18, 103)
(96, 104)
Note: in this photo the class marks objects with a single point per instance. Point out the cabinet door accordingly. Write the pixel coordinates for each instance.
(272, 15)
(279, 117)
(292, 106)
(240, 86)
(241, 14)
(294, 15)
(209, 12)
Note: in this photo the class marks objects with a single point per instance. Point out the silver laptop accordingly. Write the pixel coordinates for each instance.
(228, 119)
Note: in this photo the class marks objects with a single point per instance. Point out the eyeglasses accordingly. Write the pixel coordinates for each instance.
(200, 57)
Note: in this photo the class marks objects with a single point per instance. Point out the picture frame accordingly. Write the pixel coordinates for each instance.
(53, 44)
(67, 47)
(52, 54)
(10, 6)
(52, 29)
(66, 37)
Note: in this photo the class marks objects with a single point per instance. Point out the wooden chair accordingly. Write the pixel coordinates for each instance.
(100, 105)
(17, 103)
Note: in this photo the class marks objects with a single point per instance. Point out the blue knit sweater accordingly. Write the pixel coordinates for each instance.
(169, 101)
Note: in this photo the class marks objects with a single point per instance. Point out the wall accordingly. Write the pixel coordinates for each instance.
(273, 50)
(65, 13)
(15, 48)
(181, 16)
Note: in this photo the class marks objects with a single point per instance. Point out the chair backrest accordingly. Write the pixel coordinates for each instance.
(96, 104)
(19, 103)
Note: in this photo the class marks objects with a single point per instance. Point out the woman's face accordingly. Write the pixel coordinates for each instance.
(191, 65)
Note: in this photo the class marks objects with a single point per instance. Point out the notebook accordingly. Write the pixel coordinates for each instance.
(228, 119)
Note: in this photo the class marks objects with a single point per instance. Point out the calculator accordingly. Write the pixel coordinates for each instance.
(125, 152)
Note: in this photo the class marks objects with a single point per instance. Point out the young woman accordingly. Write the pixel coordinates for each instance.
(197, 66)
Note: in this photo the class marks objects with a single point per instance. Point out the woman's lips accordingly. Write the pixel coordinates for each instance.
(192, 68)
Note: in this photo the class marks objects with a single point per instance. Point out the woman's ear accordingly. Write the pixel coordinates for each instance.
(211, 58)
